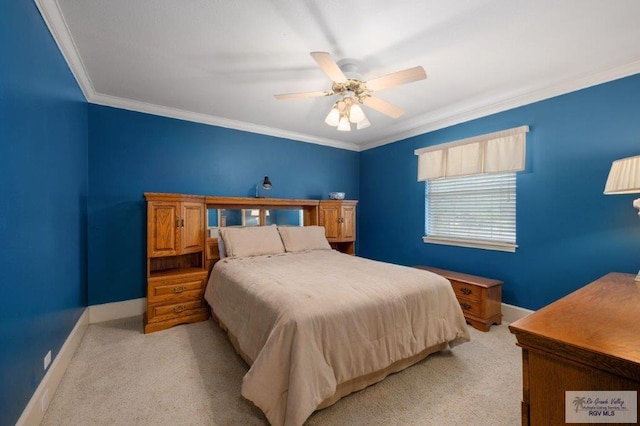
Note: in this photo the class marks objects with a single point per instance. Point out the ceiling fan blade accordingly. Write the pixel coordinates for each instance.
(397, 78)
(383, 106)
(302, 95)
(329, 66)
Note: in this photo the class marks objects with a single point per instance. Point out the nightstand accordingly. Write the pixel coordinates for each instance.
(480, 298)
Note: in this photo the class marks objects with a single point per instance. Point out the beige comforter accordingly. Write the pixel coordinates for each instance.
(310, 321)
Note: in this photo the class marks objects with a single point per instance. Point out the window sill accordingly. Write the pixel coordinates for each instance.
(486, 245)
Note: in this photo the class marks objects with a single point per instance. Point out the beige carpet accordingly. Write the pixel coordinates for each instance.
(190, 375)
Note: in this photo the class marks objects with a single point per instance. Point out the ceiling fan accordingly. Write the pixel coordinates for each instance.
(354, 91)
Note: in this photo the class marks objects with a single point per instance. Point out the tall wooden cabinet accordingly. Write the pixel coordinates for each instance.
(339, 220)
(176, 273)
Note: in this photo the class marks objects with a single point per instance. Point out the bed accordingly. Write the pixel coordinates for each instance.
(315, 324)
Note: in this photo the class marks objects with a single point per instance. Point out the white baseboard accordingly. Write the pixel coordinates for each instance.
(117, 310)
(35, 409)
(512, 313)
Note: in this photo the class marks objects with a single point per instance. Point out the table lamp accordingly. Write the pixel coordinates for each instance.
(266, 184)
(624, 178)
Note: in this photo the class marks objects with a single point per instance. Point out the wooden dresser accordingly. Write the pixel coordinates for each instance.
(586, 341)
(480, 298)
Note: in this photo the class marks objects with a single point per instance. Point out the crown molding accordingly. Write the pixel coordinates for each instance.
(468, 111)
(52, 16)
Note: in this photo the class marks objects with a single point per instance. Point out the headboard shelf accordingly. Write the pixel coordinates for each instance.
(309, 216)
(248, 202)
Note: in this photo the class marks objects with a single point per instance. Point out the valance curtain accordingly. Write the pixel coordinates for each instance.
(499, 152)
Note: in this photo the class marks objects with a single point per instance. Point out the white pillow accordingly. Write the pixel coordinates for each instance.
(251, 241)
(300, 238)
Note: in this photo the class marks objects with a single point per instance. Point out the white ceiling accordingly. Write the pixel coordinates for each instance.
(221, 61)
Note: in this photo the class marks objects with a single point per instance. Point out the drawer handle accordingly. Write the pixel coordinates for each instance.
(465, 306)
(179, 308)
(179, 289)
(466, 291)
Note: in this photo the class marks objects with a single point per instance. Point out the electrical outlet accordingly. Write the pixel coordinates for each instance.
(44, 402)
(47, 360)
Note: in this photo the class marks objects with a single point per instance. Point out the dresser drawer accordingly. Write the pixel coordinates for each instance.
(471, 307)
(165, 312)
(175, 289)
(466, 290)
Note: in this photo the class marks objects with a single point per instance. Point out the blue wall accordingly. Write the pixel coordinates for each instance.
(43, 190)
(132, 153)
(568, 232)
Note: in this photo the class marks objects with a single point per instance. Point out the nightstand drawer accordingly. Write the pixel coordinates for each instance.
(472, 307)
(175, 289)
(466, 291)
(174, 310)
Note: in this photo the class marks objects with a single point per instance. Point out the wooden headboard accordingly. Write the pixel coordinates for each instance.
(309, 209)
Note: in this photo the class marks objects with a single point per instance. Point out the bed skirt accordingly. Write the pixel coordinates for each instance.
(353, 385)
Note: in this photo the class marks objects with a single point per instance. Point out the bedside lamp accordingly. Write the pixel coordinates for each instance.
(624, 178)
(266, 184)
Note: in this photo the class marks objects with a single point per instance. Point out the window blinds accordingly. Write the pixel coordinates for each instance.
(472, 211)
(498, 152)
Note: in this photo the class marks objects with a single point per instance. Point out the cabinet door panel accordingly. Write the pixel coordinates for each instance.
(329, 216)
(162, 226)
(348, 223)
(193, 227)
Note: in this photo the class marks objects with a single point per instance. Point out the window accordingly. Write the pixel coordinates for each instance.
(472, 211)
(470, 190)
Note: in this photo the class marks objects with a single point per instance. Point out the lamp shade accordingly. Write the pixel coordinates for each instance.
(356, 114)
(333, 118)
(344, 125)
(624, 176)
(363, 124)
(266, 184)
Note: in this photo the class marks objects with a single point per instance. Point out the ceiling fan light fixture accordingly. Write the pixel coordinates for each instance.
(354, 91)
(363, 124)
(356, 114)
(344, 125)
(333, 118)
